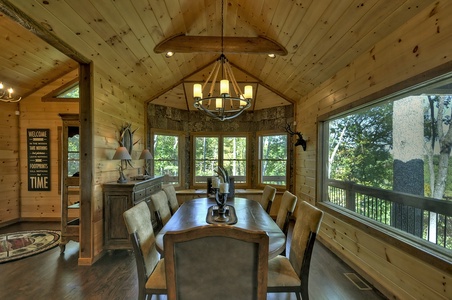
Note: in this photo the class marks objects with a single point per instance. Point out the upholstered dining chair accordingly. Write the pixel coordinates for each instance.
(267, 198)
(162, 209)
(216, 262)
(172, 198)
(291, 274)
(151, 269)
(286, 209)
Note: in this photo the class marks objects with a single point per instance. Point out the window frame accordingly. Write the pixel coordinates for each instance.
(406, 242)
(53, 96)
(259, 135)
(180, 136)
(220, 136)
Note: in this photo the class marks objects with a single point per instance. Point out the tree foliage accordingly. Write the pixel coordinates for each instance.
(363, 142)
(438, 130)
(273, 157)
(166, 155)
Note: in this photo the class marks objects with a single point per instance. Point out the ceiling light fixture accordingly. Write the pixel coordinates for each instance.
(222, 106)
(169, 54)
(7, 95)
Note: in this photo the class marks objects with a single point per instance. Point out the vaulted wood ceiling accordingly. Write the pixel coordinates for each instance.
(321, 37)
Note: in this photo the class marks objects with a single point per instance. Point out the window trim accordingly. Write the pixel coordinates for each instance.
(180, 135)
(53, 95)
(260, 134)
(220, 135)
(405, 242)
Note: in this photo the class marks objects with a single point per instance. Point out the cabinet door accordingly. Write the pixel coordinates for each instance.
(115, 228)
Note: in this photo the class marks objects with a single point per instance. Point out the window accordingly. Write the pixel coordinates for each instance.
(273, 159)
(229, 151)
(72, 92)
(66, 93)
(390, 163)
(73, 155)
(234, 157)
(166, 156)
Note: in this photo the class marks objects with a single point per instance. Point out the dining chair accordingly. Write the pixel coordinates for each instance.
(267, 198)
(285, 211)
(172, 198)
(291, 274)
(216, 262)
(162, 209)
(150, 268)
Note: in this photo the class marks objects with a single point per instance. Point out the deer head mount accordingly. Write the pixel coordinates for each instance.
(300, 141)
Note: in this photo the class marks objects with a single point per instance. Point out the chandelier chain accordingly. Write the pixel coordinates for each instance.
(222, 26)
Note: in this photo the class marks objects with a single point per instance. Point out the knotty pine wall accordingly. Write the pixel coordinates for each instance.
(9, 163)
(418, 46)
(42, 205)
(114, 106)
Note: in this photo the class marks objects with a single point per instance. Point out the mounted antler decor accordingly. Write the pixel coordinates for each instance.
(126, 139)
(300, 141)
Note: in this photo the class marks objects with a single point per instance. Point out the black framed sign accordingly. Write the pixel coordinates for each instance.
(38, 148)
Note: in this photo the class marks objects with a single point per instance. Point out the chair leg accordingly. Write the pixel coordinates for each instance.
(298, 296)
(304, 294)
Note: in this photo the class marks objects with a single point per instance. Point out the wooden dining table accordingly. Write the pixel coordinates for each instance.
(250, 215)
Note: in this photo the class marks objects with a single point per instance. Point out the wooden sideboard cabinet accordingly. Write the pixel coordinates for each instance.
(118, 197)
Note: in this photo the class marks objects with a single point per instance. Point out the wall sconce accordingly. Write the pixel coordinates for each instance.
(146, 155)
(123, 155)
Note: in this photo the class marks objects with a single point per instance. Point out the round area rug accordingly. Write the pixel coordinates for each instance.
(22, 244)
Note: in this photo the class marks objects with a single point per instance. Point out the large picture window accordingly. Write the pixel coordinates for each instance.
(273, 159)
(166, 156)
(391, 163)
(212, 150)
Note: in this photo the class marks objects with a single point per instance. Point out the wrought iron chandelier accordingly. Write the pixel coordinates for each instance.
(223, 105)
(7, 95)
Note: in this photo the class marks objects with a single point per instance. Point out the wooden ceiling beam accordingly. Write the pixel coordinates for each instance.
(41, 30)
(192, 44)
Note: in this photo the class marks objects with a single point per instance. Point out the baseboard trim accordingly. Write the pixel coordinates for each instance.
(9, 222)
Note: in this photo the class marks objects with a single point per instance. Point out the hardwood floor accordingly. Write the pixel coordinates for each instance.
(50, 275)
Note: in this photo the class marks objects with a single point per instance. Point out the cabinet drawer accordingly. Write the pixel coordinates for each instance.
(139, 195)
(153, 189)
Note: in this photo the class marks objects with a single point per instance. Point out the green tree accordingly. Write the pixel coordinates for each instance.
(360, 147)
(273, 158)
(166, 155)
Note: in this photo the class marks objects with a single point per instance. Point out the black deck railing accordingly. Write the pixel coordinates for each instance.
(426, 218)
(274, 180)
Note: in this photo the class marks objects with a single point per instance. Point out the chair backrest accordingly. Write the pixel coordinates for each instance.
(139, 227)
(288, 203)
(172, 198)
(216, 262)
(267, 198)
(304, 234)
(161, 206)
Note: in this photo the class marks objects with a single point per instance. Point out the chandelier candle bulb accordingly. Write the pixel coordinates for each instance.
(218, 103)
(224, 87)
(197, 91)
(248, 92)
(7, 95)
